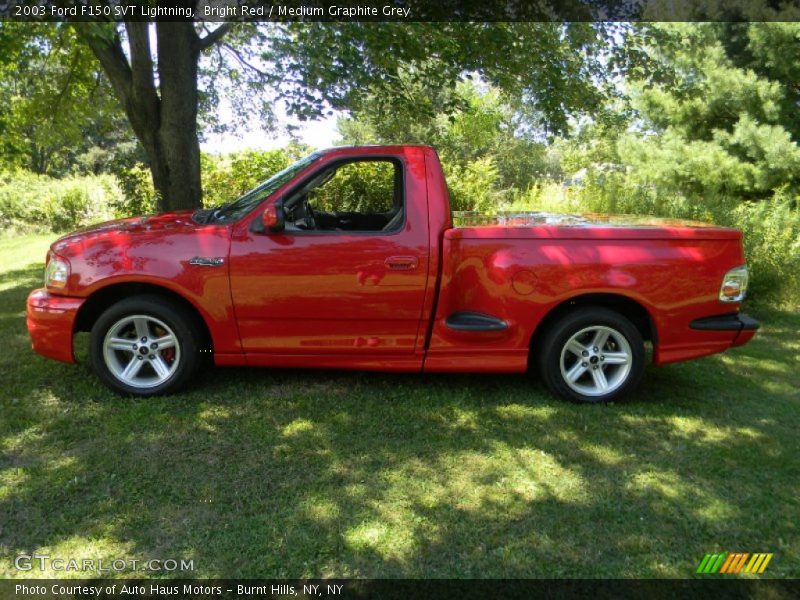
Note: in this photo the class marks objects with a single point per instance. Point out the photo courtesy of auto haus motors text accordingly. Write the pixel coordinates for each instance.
(169, 590)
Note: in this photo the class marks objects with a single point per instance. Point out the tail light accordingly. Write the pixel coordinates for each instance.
(734, 285)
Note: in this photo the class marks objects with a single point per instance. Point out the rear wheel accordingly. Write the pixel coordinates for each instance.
(592, 355)
(144, 346)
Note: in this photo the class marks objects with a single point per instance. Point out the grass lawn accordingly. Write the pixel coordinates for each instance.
(267, 473)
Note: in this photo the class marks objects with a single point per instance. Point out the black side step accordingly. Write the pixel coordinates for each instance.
(474, 321)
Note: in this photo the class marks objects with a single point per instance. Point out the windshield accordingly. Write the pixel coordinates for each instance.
(247, 202)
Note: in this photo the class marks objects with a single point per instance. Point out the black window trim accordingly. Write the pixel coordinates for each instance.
(398, 161)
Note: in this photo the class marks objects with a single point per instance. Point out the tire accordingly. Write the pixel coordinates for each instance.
(570, 366)
(163, 363)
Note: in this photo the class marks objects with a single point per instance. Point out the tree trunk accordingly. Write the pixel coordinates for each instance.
(179, 160)
(166, 125)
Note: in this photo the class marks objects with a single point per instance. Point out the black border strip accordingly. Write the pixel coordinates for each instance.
(402, 11)
(403, 589)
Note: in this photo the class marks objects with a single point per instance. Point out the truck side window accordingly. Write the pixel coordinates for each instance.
(361, 195)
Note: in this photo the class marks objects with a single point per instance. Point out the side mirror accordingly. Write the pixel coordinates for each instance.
(272, 219)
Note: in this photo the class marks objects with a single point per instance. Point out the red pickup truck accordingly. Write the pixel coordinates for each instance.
(348, 259)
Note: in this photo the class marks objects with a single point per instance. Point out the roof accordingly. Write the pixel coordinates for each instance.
(382, 147)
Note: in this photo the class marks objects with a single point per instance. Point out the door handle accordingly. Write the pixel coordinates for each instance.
(402, 263)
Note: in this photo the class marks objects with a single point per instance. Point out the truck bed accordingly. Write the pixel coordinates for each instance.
(518, 267)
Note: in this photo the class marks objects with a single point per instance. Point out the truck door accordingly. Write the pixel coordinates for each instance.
(348, 274)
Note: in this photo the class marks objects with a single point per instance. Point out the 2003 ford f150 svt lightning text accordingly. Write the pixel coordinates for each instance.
(349, 259)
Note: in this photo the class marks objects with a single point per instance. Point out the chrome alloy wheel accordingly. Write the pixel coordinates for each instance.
(141, 351)
(596, 361)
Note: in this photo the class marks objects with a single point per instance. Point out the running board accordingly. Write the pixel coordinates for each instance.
(474, 321)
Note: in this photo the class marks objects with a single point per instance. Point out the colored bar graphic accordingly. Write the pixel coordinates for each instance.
(758, 563)
(749, 568)
(727, 564)
(711, 563)
(739, 563)
(718, 564)
(735, 556)
(765, 563)
(703, 563)
(733, 562)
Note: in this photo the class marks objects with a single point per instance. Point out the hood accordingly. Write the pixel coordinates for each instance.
(132, 225)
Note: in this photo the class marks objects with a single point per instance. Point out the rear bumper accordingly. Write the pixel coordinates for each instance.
(50, 321)
(744, 326)
(690, 339)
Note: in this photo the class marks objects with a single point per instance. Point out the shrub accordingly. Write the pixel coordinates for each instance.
(772, 244)
(363, 187)
(227, 177)
(138, 196)
(474, 185)
(30, 202)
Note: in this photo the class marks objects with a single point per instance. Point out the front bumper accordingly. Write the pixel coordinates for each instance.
(745, 326)
(50, 321)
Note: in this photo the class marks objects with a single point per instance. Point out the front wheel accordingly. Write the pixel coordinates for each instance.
(144, 346)
(591, 355)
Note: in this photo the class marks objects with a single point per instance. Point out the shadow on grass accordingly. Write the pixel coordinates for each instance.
(259, 473)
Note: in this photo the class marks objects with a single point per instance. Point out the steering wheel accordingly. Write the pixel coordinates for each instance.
(307, 221)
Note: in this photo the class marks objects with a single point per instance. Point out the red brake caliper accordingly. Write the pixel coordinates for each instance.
(168, 354)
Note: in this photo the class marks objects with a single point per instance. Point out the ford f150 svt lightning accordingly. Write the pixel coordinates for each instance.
(349, 259)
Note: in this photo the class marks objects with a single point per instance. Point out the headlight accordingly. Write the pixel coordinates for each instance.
(734, 285)
(56, 273)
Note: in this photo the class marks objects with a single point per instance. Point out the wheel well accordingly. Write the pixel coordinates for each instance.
(628, 308)
(102, 299)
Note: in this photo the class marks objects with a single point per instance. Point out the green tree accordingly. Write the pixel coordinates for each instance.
(169, 91)
(715, 108)
(485, 145)
(46, 83)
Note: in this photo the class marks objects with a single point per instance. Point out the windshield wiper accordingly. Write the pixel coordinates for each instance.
(202, 215)
(208, 215)
(216, 213)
